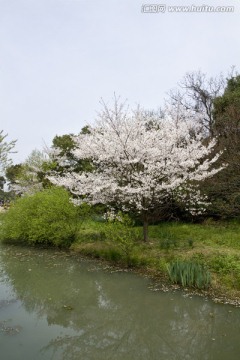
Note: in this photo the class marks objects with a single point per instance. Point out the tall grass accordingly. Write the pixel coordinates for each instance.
(189, 274)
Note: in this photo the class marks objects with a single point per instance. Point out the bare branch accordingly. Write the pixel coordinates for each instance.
(197, 93)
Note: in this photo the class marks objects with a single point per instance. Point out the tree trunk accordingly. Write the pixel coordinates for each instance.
(145, 229)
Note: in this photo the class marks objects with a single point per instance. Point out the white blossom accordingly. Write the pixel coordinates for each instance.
(137, 165)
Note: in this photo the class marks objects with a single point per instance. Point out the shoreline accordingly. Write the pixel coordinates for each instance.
(161, 283)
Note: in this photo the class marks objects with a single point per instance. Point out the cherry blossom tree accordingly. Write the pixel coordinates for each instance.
(139, 162)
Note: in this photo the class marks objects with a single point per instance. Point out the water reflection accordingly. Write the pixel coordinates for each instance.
(92, 314)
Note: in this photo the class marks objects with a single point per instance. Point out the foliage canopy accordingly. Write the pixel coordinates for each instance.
(46, 217)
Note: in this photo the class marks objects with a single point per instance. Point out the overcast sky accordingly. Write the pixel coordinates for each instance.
(59, 57)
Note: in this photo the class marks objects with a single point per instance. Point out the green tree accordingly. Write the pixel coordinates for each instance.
(63, 157)
(224, 189)
(46, 217)
(13, 172)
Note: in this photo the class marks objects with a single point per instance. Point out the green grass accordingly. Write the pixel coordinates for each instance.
(213, 234)
(213, 245)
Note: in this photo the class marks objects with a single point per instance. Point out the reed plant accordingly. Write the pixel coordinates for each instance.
(189, 274)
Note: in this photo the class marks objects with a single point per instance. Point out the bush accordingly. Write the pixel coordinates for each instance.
(122, 234)
(46, 217)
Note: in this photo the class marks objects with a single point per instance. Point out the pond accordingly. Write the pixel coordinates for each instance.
(57, 306)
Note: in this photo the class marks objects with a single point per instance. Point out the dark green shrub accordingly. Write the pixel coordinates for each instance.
(187, 273)
(47, 217)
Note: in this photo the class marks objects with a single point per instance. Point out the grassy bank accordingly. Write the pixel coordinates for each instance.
(202, 257)
(213, 246)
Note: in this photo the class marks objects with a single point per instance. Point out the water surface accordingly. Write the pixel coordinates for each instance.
(57, 306)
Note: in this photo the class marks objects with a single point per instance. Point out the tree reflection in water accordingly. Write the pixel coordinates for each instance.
(115, 316)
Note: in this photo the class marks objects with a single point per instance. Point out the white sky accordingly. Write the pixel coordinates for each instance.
(59, 57)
